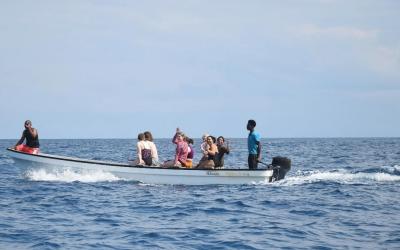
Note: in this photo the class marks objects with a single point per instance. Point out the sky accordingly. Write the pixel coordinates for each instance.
(112, 68)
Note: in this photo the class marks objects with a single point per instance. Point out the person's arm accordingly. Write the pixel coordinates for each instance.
(174, 138)
(224, 149)
(20, 140)
(139, 153)
(176, 134)
(258, 151)
(203, 147)
(178, 152)
(205, 151)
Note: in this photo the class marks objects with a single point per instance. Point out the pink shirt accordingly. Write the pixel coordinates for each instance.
(181, 152)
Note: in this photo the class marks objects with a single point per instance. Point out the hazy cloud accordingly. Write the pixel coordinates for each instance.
(338, 32)
(297, 67)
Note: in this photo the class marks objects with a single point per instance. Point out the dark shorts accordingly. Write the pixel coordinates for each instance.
(252, 160)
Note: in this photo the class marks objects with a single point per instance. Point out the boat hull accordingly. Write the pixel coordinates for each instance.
(150, 175)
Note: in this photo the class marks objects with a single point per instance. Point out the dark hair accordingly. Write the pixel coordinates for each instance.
(140, 137)
(212, 138)
(28, 122)
(252, 123)
(190, 140)
(148, 136)
(221, 138)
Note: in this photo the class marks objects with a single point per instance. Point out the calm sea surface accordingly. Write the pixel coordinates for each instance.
(341, 193)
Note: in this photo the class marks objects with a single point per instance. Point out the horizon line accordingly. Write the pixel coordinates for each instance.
(161, 138)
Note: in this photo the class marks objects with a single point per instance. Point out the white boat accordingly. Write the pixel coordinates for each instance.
(151, 175)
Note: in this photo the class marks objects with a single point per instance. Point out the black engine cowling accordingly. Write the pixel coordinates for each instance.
(280, 165)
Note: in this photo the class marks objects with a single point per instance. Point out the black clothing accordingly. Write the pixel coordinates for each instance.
(146, 156)
(31, 141)
(219, 158)
(252, 160)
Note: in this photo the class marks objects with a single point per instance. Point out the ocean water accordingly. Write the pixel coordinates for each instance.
(342, 193)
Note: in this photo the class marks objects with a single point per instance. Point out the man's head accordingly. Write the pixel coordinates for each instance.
(251, 124)
(27, 124)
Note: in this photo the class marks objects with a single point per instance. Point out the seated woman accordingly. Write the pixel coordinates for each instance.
(189, 160)
(154, 154)
(211, 150)
(181, 151)
(143, 151)
(31, 138)
(222, 149)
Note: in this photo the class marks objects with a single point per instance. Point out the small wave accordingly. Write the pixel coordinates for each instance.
(68, 175)
(4, 160)
(392, 169)
(337, 176)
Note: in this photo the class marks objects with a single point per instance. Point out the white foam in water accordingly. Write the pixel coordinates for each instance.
(68, 175)
(392, 169)
(340, 176)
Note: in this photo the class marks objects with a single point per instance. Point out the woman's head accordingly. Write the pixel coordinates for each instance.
(180, 136)
(221, 140)
(210, 139)
(140, 137)
(148, 136)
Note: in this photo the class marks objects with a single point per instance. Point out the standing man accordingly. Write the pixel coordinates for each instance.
(254, 145)
(30, 135)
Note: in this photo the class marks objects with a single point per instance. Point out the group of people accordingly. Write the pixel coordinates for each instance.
(146, 150)
(212, 149)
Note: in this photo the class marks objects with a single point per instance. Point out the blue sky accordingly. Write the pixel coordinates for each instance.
(110, 69)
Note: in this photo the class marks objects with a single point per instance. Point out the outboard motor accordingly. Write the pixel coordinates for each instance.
(280, 165)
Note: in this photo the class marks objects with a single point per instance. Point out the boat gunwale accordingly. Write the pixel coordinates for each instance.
(115, 164)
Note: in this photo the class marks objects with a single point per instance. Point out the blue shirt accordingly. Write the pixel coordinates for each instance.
(251, 142)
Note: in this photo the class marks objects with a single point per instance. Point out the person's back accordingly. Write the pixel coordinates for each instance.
(31, 140)
(143, 152)
(146, 153)
(154, 153)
